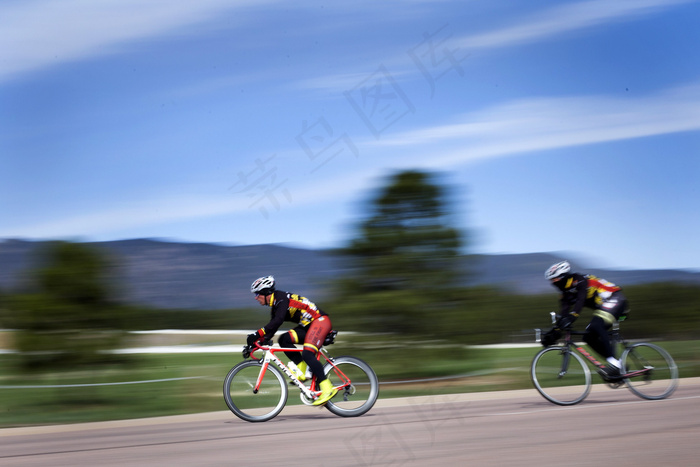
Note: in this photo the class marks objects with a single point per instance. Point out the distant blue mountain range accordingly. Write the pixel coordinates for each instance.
(211, 276)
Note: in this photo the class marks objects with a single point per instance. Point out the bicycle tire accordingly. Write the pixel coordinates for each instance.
(359, 395)
(568, 388)
(655, 372)
(262, 406)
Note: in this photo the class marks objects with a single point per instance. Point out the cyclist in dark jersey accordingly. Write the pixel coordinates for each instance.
(312, 329)
(579, 291)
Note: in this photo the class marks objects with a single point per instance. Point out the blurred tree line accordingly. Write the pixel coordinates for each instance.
(67, 315)
(405, 281)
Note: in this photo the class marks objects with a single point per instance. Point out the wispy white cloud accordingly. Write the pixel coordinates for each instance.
(512, 128)
(35, 34)
(565, 18)
(160, 208)
(534, 124)
(145, 213)
(544, 25)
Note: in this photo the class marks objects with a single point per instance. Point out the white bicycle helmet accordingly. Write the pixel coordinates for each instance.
(557, 270)
(263, 286)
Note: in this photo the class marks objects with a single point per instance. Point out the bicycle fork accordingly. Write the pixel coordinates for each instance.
(564, 363)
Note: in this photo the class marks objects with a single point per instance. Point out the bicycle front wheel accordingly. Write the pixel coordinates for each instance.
(358, 386)
(649, 371)
(251, 406)
(561, 376)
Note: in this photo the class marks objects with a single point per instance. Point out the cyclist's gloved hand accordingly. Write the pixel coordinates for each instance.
(565, 322)
(252, 338)
(550, 337)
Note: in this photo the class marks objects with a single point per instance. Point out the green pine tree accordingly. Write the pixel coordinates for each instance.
(406, 257)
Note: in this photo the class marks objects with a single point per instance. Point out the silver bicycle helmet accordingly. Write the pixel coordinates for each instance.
(263, 285)
(557, 270)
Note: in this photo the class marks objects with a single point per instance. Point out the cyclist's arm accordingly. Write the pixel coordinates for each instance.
(564, 305)
(573, 303)
(279, 313)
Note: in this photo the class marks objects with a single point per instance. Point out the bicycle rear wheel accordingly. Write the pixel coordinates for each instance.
(259, 406)
(561, 376)
(649, 371)
(358, 386)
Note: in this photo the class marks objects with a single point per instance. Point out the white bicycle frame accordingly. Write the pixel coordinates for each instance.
(268, 357)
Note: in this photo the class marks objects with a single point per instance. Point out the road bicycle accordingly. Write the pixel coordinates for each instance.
(561, 374)
(256, 391)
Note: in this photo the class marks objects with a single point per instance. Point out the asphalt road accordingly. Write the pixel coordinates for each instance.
(512, 428)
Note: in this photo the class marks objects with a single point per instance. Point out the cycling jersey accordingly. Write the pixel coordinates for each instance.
(579, 291)
(285, 306)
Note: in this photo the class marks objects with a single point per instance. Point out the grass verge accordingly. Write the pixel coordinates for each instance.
(170, 384)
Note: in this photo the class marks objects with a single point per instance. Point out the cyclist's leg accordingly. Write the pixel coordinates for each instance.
(597, 330)
(596, 337)
(288, 339)
(315, 335)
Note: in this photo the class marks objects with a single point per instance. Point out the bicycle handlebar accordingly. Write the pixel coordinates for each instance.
(248, 350)
(554, 316)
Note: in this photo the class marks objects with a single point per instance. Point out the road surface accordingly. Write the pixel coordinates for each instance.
(510, 428)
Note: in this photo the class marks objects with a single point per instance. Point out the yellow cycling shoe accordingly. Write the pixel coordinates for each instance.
(327, 392)
(303, 368)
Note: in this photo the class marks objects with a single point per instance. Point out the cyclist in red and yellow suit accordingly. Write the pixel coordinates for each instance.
(579, 291)
(313, 327)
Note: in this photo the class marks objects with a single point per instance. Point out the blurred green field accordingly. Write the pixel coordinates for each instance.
(194, 381)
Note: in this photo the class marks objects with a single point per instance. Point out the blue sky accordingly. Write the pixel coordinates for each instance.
(559, 126)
